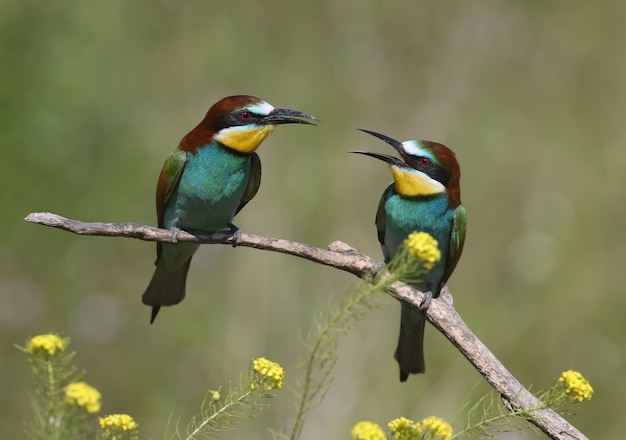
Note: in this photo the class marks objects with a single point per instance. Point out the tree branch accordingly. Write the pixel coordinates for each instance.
(441, 313)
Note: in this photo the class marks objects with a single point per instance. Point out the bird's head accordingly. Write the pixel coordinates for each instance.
(241, 123)
(427, 168)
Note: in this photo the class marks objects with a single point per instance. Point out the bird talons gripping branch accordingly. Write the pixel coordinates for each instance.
(175, 234)
(235, 234)
(425, 304)
(379, 267)
(377, 271)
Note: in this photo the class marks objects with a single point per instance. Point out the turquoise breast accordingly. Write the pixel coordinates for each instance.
(429, 214)
(210, 189)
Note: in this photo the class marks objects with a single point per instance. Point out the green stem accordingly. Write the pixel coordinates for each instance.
(495, 419)
(297, 427)
(399, 269)
(321, 338)
(51, 420)
(218, 413)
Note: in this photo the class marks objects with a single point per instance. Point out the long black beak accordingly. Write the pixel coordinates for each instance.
(394, 143)
(286, 116)
(391, 160)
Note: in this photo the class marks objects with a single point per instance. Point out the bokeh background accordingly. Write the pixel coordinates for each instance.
(531, 96)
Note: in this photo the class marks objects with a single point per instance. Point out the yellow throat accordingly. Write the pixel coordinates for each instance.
(244, 139)
(415, 183)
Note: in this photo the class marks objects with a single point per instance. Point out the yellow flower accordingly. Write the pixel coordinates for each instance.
(81, 394)
(116, 424)
(48, 343)
(404, 429)
(367, 431)
(435, 428)
(271, 373)
(576, 383)
(423, 246)
(215, 395)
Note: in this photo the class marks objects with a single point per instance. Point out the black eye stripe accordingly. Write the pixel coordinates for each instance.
(235, 119)
(431, 169)
(421, 163)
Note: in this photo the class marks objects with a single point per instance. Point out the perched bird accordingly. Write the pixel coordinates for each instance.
(425, 196)
(208, 179)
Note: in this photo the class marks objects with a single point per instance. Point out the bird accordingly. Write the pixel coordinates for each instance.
(425, 196)
(207, 180)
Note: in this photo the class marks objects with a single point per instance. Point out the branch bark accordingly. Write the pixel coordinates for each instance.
(441, 313)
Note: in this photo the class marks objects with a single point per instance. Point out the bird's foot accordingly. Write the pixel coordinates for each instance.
(379, 267)
(376, 271)
(175, 234)
(425, 304)
(235, 234)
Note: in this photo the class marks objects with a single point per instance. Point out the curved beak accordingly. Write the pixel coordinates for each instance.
(391, 160)
(394, 143)
(384, 157)
(286, 116)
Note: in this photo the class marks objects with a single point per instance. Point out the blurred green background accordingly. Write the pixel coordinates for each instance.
(531, 96)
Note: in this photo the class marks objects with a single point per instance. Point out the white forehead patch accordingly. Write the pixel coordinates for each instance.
(262, 108)
(412, 148)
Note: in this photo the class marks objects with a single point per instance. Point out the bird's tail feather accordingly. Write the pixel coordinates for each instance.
(410, 350)
(166, 287)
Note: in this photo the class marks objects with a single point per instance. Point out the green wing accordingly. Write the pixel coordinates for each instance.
(381, 218)
(457, 240)
(168, 181)
(254, 181)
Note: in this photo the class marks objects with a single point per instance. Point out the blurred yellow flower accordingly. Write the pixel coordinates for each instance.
(404, 429)
(271, 373)
(435, 428)
(81, 394)
(423, 246)
(215, 395)
(576, 383)
(367, 431)
(48, 343)
(115, 424)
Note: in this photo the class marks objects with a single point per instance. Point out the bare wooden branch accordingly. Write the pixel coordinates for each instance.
(441, 313)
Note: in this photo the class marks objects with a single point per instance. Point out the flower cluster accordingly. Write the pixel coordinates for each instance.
(116, 425)
(367, 431)
(577, 384)
(423, 246)
(47, 343)
(435, 428)
(83, 395)
(404, 429)
(270, 372)
(430, 428)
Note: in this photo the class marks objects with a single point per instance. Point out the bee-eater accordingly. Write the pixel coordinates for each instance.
(208, 179)
(425, 196)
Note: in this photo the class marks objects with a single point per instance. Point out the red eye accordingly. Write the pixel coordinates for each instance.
(424, 161)
(245, 115)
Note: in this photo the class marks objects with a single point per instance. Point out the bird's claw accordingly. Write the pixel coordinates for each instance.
(377, 271)
(379, 266)
(175, 234)
(235, 234)
(425, 304)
